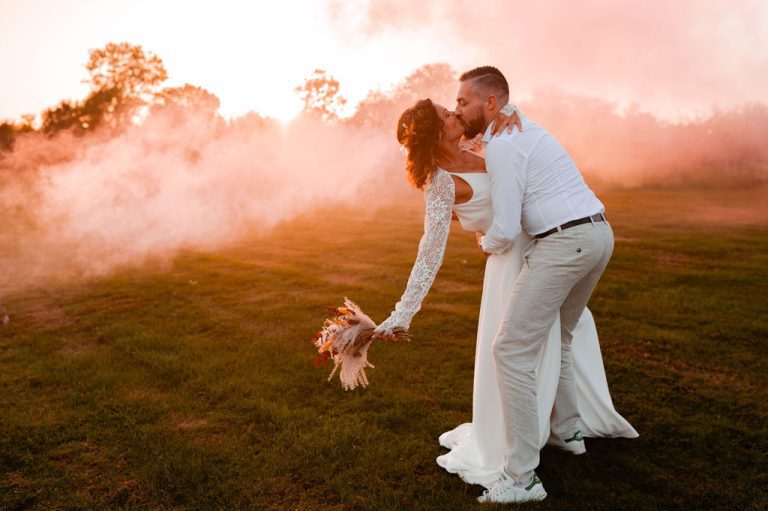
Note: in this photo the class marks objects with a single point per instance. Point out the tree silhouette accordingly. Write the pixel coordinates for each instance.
(320, 94)
(7, 136)
(381, 109)
(81, 116)
(10, 129)
(189, 99)
(123, 78)
(126, 67)
(64, 116)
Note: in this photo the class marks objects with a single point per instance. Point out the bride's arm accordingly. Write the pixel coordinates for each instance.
(440, 196)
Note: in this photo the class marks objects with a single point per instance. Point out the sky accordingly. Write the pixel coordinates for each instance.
(676, 59)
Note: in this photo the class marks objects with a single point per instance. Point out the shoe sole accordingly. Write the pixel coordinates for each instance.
(538, 497)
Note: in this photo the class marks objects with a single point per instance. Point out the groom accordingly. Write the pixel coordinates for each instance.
(536, 187)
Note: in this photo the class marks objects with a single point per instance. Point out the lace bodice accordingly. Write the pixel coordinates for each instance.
(440, 199)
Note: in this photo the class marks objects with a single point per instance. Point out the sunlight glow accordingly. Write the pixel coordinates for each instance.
(250, 55)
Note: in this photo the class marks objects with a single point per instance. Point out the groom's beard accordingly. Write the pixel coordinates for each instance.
(473, 126)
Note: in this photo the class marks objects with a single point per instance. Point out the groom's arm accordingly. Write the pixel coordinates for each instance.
(506, 166)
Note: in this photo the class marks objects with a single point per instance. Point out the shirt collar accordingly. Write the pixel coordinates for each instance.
(487, 135)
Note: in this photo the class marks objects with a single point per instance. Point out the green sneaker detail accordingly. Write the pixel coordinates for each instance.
(575, 438)
(534, 482)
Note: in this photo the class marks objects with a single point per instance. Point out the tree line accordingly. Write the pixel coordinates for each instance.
(630, 148)
(124, 82)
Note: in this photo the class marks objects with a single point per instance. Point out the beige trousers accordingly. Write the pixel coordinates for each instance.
(558, 276)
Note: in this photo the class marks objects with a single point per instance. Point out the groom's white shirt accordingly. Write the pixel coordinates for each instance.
(534, 185)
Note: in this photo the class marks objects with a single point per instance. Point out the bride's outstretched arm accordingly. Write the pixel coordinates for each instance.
(440, 197)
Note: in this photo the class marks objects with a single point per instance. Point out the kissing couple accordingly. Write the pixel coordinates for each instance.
(539, 376)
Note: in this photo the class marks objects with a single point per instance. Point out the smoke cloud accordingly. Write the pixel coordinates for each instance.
(79, 207)
(677, 60)
(633, 148)
(615, 147)
(82, 207)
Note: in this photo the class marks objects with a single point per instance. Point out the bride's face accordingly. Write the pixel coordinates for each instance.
(452, 128)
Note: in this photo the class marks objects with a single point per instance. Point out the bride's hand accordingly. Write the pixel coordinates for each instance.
(385, 336)
(502, 121)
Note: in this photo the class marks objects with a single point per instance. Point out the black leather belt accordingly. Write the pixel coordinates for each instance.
(573, 223)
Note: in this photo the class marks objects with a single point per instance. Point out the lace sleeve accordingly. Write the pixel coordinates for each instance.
(509, 109)
(440, 197)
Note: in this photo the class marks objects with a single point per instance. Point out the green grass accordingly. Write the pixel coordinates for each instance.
(190, 386)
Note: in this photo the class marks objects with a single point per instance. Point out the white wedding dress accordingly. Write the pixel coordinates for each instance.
(477, 448)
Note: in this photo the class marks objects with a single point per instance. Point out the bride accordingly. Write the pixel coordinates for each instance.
(455, 183)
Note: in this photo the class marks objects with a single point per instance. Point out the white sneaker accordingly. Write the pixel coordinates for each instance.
(573, 445)
(504, 491)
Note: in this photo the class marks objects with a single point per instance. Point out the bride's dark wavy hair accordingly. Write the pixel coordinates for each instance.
(419, 130)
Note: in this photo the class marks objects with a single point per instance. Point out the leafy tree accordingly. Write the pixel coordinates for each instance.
(81, 116)
(7, 136)
(126, 67)
(187, 98)
(10, 129)
(382, 109)
(65, 116)
(102, 107)
(27, 121)
(320, 94)
(123, 78)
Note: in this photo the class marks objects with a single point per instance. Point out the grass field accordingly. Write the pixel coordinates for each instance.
(191, 386)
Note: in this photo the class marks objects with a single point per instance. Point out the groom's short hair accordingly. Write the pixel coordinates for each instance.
(489, 81)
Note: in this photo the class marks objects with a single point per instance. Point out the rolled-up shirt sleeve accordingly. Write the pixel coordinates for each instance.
(506, 167)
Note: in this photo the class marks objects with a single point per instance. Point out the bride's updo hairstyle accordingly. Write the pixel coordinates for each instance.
(418, 130)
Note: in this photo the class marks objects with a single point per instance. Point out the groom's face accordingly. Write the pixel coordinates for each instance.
(470, 108)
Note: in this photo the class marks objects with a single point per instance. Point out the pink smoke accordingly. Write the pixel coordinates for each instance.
(82, 207)
(674, 59)
(85, 206)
